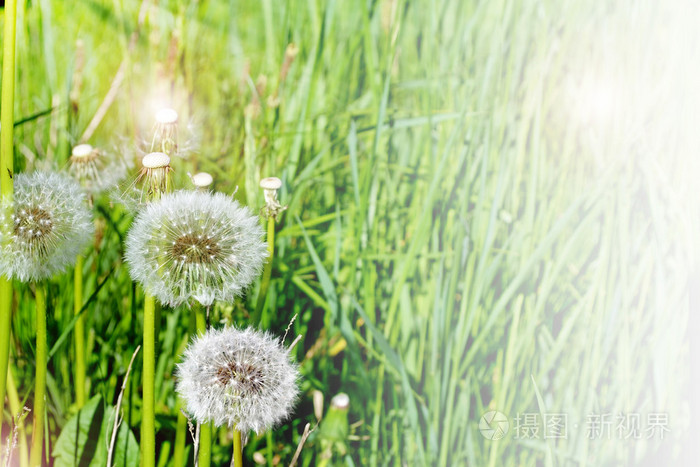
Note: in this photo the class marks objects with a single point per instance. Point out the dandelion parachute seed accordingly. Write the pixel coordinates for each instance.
(241, 378)
(44, 228)
(195, 245)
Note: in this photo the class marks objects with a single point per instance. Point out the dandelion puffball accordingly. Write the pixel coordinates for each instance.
(195, 245)
(44, 227)
(241, 378)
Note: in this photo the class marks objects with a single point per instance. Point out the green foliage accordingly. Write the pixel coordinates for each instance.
(85, 438)
(464, 232)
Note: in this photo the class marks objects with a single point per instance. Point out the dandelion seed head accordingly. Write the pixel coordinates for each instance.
(193, 245)
(240, 378)
(44, 227)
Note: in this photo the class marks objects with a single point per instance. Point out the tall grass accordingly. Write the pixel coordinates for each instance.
(469, 228)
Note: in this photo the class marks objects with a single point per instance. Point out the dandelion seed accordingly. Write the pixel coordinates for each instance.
(195, 245)
(241, 378)
(44, 227)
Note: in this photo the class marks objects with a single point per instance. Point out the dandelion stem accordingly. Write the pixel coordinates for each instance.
(148, 426)
(237, 449)
(35, 457)
(79, 332)
(204, 457)
(267, 273)
(181, 430)
(6, 169)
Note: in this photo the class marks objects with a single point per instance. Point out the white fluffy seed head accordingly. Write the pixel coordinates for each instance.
(44, 227)
(194, 245)
(240, 378)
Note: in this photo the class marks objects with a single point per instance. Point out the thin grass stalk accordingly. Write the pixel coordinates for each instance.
(35, 458)
(16, 408)
(6, 170)
(237, 449)
(267, 274)
(79, 332)
(148, 417)
(205, 433)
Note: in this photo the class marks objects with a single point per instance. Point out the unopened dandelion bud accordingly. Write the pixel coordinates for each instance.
(334, 430)
(340, 401)
(242, 378)
(272, 207)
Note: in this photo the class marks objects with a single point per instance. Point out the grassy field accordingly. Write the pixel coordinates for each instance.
(491, 206)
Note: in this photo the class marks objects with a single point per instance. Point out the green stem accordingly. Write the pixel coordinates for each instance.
(237, 449)
(181, 430)
(204, 456)
(258, 318)
(35, 458)
(148, 415)
(79, 333)
(7, 108)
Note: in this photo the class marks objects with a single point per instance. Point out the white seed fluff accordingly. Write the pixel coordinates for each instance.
(195, 245)
(44, 227)
(241, 378)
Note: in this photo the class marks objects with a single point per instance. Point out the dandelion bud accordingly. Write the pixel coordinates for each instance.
(194, 245)
(44, 227)
(272, 207)
(340, 401)
(240, 378)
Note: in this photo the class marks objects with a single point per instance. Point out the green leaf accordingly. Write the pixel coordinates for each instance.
(85, 439)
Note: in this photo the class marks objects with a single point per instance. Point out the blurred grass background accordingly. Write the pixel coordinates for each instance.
(491, 207)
